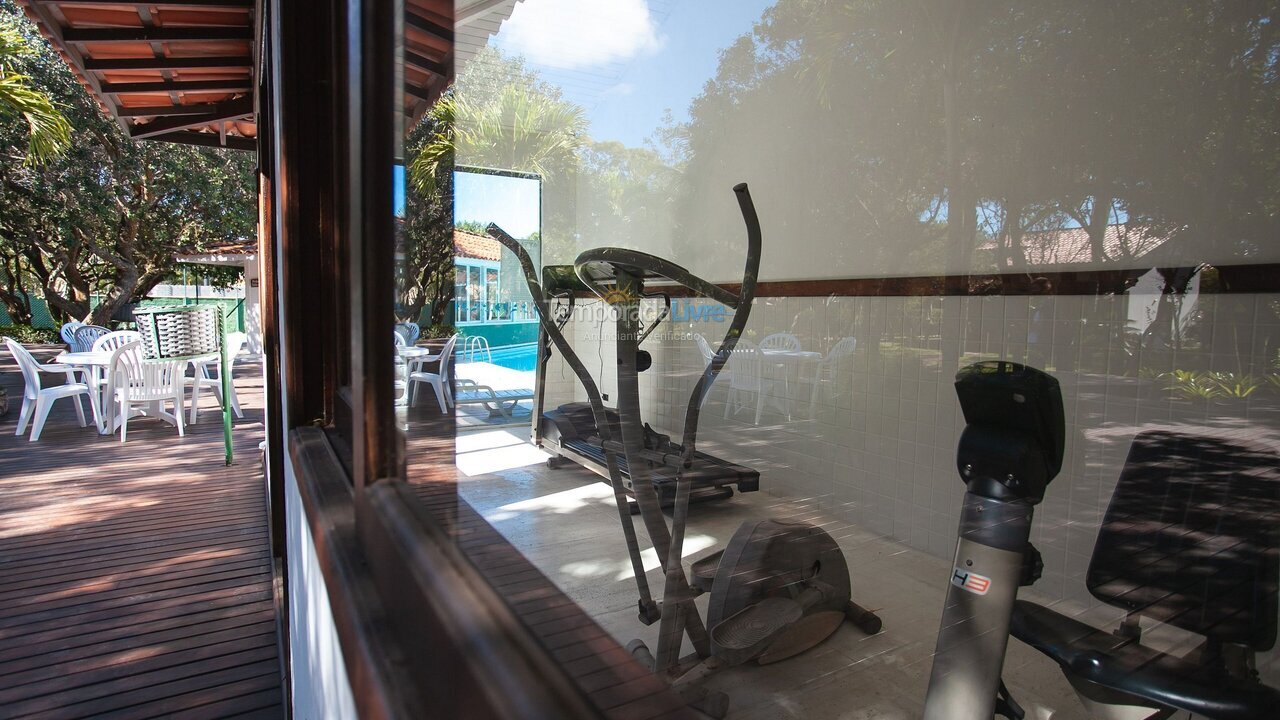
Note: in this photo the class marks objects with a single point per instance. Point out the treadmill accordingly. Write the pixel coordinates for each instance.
(569, 431)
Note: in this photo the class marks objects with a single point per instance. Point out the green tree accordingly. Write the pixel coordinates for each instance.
(498, 115)
(105, 219)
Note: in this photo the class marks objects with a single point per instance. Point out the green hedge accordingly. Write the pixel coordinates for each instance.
(30, 335)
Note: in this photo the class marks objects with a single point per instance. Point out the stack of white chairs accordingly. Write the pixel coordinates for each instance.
(87, 335)
(97, 381)
(68, 334)
(137, 386)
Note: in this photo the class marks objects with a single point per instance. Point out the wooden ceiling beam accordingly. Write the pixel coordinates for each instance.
(171, 63)
(156, 34)
(220, 112)
(187, 137)
(244, 84)
(427, 26)
(424, 63)
(162, 4)
(167, 110)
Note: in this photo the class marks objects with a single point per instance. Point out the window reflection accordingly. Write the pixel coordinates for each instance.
(1087, 188)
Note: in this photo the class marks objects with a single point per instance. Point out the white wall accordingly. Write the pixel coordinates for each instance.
(320, 688)
(880, 451)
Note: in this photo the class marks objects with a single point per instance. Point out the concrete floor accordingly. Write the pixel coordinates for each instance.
(566, 523)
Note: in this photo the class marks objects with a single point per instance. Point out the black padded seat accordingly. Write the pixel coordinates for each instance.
(1191, 538)
(1153, 677)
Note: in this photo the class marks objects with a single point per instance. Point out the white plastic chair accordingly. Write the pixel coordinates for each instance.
(208, 374)
(747, 364)
(409, 331)
(96, 378)
(781, 341)
(38, 400)
(439, 381)
(87, 335)
(704, 349)
(142, 387)
(113, 340)
(68, 335)
(831, 368)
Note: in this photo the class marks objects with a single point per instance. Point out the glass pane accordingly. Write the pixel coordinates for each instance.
(1087, 188)
(496, 307)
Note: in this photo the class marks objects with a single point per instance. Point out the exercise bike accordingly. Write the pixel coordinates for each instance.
(779, 587)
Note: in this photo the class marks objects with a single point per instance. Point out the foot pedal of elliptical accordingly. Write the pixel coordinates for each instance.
(704, 571)
(748, 632)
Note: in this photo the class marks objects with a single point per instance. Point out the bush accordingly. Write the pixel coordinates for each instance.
(31, 335)
(438, 331)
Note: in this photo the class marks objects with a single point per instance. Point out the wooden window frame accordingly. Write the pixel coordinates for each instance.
(422, 633)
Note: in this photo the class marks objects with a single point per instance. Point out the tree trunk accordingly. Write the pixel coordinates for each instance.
(1099, 220)
(961, 199)
(17, 302)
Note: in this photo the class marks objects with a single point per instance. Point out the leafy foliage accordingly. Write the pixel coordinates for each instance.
(498, 115)
(107, 217)
(28, 335)
(48, 132)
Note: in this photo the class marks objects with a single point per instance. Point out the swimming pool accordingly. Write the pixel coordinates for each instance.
(516, 357)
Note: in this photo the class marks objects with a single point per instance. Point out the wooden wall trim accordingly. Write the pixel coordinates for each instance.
(1223, 279)
(481, 661)
(382, 683)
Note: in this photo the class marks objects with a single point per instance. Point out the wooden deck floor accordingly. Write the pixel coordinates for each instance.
(135, 579)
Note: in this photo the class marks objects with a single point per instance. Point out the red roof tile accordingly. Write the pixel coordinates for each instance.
(478, 247)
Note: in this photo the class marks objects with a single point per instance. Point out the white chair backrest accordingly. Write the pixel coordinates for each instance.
(704, 347)
(744, 365)
(444, 357)
(841, 354)
(28, 366)
(235, 343)
(86, 335)
(780, 341)
(410, 331)
(113, 340)
(116, 370)
(145, 379)
(68, 334)
(399, 338)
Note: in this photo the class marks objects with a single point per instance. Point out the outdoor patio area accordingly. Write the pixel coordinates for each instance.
(136, 578)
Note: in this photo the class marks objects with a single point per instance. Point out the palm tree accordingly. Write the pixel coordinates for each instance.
(48, 132)
(514, 129)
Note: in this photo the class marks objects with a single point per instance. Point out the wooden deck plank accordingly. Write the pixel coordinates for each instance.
(161, 700)
(135, 578)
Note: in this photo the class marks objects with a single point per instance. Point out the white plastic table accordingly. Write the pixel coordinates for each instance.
(93, 365)
(786, 360)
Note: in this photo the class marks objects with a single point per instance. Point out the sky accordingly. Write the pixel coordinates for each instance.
(624, 61)
(627, 61)
(515, 204)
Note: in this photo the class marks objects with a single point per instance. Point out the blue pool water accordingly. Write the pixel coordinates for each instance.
(516, 357)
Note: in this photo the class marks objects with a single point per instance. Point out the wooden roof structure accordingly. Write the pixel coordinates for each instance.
(186, 70)
(176, 71)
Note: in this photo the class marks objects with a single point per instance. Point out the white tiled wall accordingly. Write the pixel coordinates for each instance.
(880, 448)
